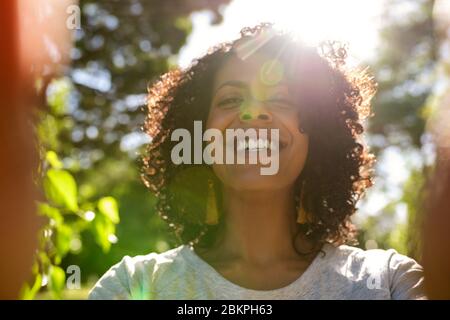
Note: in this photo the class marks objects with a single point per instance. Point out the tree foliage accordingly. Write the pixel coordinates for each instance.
(88, 130)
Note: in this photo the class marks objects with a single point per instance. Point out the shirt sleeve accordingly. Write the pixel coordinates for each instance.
(130, 279)
(406, 278)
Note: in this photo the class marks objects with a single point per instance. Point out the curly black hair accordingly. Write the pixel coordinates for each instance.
(333, 102)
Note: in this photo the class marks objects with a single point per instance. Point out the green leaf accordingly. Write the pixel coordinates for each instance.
(57, 279)
(184, 24)
(25, 292)
(58, 93)
(103, 228)
(28, 293)
(87, 191)
(63, 237)
(48, 130)
(50, 212)
(108, 206)
(60, 187)
(43, 258)
(53, 159)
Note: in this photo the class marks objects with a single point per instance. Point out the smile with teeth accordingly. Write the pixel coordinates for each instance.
(251, 144)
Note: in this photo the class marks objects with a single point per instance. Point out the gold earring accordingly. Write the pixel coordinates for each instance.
(302, 216)
(212, 212)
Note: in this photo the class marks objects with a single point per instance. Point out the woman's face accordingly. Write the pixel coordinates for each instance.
(253, 93)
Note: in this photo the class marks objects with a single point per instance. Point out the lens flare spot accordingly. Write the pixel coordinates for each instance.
(271, 73)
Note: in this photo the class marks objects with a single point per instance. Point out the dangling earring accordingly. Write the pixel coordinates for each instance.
(302, 216)
(212, 212)
(301, 128)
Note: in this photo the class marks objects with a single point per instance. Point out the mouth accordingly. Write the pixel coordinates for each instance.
(255, 144)
(251, 144)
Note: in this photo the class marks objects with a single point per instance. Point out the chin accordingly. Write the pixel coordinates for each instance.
(249, 178)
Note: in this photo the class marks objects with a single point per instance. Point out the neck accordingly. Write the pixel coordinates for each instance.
(260, 226)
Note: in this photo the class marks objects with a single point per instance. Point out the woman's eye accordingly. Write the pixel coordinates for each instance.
(230, 102)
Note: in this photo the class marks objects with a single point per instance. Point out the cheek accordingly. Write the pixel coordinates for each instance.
(296, 157)
(290, 119)
(220, 119)
(301, 146)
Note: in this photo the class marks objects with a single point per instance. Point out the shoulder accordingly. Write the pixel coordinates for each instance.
(136, 277)
(357, 256)
(380, 269)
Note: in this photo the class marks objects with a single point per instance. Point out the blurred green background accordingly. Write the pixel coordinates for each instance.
(95, 208)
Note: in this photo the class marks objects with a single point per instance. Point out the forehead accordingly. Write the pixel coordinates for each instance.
(258, 69)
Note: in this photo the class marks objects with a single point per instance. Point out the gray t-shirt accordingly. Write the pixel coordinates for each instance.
(344, 272)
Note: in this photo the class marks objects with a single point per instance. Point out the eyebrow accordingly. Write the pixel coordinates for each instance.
(243, 85)
(232, 83)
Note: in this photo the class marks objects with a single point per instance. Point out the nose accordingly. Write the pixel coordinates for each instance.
(255, 112)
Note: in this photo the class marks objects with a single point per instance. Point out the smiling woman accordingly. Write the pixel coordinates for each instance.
(247, 235)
